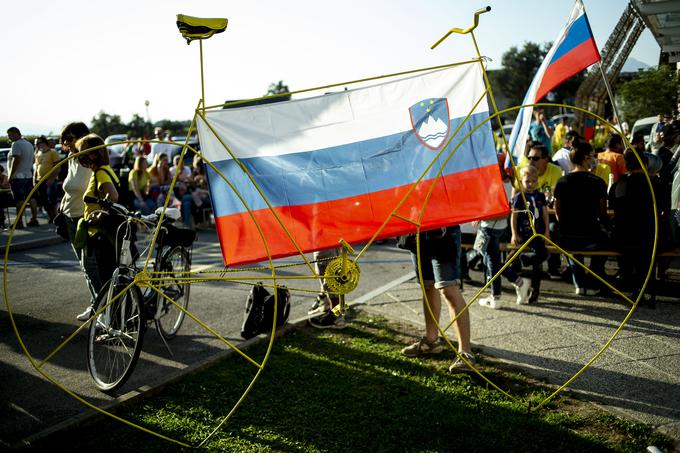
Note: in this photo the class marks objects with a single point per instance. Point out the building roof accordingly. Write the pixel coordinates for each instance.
(662, 17)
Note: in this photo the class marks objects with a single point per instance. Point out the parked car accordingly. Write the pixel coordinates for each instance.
(115, 151)
(3, 158)
(556, 119)
(644, 125)
(193, 142)
(507, 129)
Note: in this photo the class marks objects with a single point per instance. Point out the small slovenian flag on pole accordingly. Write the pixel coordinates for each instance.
(573, 51)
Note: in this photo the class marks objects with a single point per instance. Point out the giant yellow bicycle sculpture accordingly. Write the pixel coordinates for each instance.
(342, 273)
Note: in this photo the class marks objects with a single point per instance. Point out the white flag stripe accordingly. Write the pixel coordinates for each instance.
(339, 118)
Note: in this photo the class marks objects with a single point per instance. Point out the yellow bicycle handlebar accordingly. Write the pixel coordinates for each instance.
(464, 31)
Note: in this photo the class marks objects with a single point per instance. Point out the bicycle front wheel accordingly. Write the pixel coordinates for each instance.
(115, 336)
(174, 266)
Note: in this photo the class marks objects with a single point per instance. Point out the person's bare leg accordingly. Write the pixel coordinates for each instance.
(34, 209)
(20, 218)
(431, 331)
(456, 304)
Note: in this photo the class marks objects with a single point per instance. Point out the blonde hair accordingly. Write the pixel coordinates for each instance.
(528, 170)
(138, 163)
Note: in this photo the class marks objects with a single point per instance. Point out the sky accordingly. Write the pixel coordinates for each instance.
(68, 60)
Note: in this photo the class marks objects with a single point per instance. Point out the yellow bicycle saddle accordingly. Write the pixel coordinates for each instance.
(199, 28)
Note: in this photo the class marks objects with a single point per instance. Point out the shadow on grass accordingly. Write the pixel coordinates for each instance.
(336, 391)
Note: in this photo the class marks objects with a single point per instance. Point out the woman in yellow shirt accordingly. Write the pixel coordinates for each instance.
(103, 184)
(45, 160)
(139, 183)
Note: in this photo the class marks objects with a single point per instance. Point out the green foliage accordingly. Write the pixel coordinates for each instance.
(652, 92)
(174, 127)
(519, 68)
(138, 127)
(104, 124)
(278, 88)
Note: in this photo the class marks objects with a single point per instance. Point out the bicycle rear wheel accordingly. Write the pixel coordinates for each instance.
(115, 336)
(174, 265)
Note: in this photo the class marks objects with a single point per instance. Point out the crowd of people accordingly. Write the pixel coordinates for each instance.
(588, 200)
(145, 170)
(582, 199)
(129, 181)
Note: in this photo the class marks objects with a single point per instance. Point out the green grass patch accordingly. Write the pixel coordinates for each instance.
(352, 390)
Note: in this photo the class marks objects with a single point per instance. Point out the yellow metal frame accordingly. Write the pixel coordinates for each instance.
(148, 279)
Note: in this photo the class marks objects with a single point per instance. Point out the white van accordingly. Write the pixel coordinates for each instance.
(644, 125)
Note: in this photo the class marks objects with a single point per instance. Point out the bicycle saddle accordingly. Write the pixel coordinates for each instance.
(199, 28)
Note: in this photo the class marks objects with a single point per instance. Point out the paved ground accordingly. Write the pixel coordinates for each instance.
(638, 376)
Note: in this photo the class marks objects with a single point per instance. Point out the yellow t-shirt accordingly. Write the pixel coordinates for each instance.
(101, 176)
(603, 171)
(546, 180)
(140, 178)
(45, 161)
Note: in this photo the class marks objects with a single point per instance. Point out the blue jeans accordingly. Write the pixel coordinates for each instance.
(491, 253)
(88, 264)
(597, 241)
(439, 258)
(188, 205)
(534, 255)
(146, 207)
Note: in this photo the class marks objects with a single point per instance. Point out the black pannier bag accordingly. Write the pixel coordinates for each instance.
(259, 315)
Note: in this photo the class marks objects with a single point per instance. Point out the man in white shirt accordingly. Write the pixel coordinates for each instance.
(159, 148)
(20, 161)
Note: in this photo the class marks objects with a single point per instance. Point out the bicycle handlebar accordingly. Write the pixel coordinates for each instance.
(465, 31)
(120, 209)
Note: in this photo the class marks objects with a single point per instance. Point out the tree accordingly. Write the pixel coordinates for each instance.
(138, 127)
(652, 92)
(104, 125)
(174, 127)
(278, 88)
(519, 68)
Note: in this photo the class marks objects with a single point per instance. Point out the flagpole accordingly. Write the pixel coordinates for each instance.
(611, 98)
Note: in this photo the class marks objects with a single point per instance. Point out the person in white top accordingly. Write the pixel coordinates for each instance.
(159, 148)
(73, 207)
(561, 157)
(20, 161)
(184, 171)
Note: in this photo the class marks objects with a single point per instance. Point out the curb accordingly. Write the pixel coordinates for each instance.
(31, 244)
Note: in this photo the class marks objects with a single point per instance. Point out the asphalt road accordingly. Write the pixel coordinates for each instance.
(46, 290)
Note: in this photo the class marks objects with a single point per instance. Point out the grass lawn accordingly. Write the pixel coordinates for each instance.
(352, 391)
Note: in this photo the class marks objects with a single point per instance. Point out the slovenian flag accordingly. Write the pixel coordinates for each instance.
(336, 166)
(573, 51)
